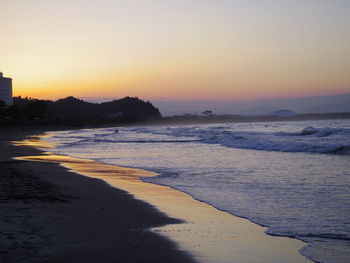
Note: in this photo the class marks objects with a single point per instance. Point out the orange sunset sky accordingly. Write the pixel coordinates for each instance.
(177, 50)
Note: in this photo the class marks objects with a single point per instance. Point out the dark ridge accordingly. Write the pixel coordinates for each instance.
(75, 112)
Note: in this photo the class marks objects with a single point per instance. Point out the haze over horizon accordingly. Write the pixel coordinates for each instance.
(176, 50)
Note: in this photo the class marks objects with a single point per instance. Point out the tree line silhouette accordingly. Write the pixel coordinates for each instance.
(75, 112)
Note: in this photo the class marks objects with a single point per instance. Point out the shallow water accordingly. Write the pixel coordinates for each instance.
(293, 177)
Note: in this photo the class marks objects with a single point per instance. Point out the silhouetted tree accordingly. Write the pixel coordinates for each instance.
(35, 110)
(207, 112)
(72, 111)
(13, 112)
(2, 105)
(2, 110)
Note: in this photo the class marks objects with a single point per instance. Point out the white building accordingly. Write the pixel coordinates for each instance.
(5, 89)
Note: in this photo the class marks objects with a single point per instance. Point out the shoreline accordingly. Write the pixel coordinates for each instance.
(210, 235)
(172, 120)
(51, 214)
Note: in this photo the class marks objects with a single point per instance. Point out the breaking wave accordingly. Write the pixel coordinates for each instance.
(309, 140)
(305, 196)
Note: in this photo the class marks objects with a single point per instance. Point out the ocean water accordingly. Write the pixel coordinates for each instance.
(293, 177)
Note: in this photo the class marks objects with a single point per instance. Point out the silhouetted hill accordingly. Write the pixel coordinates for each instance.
(71, 101)
(130, 107)
(73, 111)
(71, 106)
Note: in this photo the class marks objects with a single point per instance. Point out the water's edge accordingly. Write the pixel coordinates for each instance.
(195, 222)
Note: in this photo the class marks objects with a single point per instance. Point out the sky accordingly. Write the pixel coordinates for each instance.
(176, 50)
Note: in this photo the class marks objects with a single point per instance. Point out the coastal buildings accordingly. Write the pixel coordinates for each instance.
(5, 89)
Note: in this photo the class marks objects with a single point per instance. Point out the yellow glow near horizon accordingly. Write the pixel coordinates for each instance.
(176, 49)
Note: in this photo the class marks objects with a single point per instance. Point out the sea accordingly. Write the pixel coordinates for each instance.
(292, 177)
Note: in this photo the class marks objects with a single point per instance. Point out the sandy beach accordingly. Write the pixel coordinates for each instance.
(68, 212)
(49, 214)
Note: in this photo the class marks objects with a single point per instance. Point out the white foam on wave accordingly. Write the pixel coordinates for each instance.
(309, 139)
(297, 195)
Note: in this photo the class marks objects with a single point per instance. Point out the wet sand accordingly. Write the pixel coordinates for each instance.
(208, 234)
(50, 214)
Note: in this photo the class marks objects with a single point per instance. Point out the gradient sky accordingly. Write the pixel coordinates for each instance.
(177, 50)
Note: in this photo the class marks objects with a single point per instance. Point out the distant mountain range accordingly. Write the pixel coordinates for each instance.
(315, 104)
(336, 107)
(318, 104)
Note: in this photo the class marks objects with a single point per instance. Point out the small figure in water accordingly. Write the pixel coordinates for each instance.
(116, 130)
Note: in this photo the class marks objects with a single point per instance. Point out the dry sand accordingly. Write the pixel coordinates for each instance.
(49, 214)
